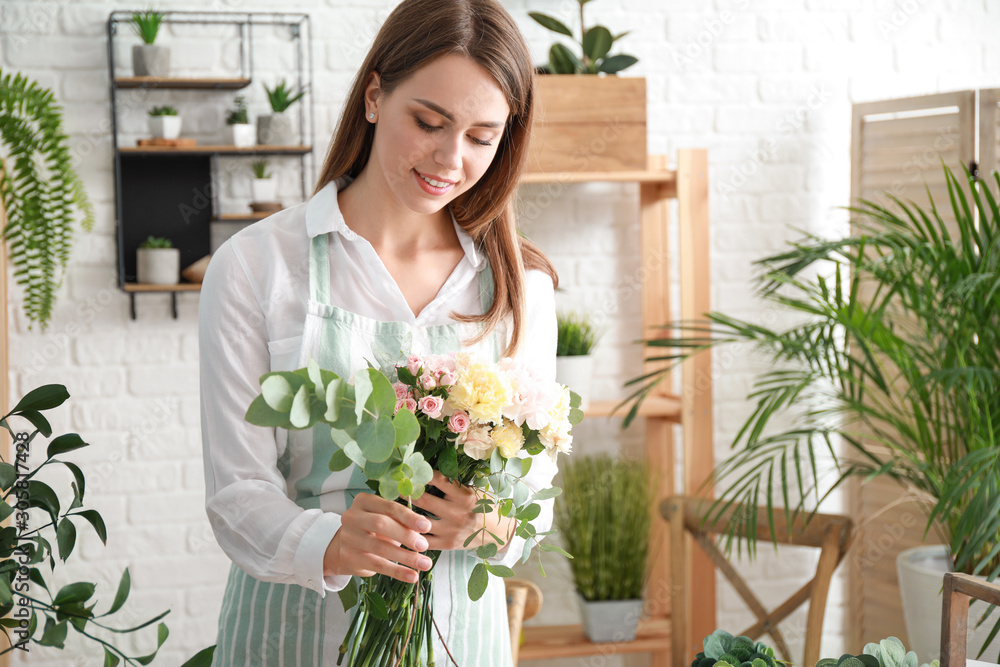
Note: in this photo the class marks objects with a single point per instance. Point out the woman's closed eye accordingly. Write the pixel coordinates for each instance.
(426, 127)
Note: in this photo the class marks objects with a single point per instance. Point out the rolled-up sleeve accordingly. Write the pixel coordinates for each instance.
(538, 351)
(255, 522)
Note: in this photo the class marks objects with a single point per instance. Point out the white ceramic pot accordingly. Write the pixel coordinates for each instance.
(165, 127)
(921, 577)
(241, 135)
(158, 266)
(276, 130)
(610, 620)
(264, 189)
(576, 373)
(150, 60)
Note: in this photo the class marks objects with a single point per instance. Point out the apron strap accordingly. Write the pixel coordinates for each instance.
(486, 290)
(319, 269)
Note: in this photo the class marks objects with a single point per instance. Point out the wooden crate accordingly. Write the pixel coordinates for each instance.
(588, 123)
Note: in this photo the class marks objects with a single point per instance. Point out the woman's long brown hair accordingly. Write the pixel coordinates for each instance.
(415, 33)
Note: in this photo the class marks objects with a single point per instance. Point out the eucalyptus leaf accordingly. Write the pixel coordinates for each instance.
(334, 397)
(377, 439)
(316, 377)
(478, 581)
(277, 393)
(300, 414)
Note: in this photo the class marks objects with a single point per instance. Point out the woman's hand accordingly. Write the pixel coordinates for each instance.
(371, 540)
(457, 518)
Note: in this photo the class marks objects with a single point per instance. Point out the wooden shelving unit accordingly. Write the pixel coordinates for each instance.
(662, 411)
(178, 83)
(209, 149)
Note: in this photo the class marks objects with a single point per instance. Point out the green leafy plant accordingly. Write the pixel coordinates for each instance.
(163, 111)
(41, 192)
(147, 24)
(889, 652)
(603, 517)
(238, 114)
(595, 44)
(896, 354)
(281, 96)
(31, 611)
(576, 335)
(721, 649)
(259, 169)
(156, 242)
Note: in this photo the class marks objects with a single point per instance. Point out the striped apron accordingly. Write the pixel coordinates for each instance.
(264, 624)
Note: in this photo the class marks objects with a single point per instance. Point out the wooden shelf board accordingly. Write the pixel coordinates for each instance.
(223, 150)
(569, 641)
(643, 176)
(180, 287)
(668, 407)
(176, 83)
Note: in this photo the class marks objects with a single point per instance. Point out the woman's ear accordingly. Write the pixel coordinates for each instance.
(373, 96)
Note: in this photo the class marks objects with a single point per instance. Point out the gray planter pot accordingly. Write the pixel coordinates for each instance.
(150, 60)
(276, 130)
(158, 266)
(610, 620)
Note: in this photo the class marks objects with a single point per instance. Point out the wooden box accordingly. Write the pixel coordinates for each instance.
(588, 123)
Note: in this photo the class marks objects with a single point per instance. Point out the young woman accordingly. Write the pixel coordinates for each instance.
(408, 246)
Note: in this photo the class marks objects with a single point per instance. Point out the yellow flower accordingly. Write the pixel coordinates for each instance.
(509, 438)
(481, 389)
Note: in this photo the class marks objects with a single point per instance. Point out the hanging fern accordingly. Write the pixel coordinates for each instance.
(41, 193)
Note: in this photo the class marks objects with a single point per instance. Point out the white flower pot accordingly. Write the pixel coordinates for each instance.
(150, 60)
(241, 135)
(276, 130)
(921, 578)
(610, 620)
(158, 266)
(264, 189)
(165, 127)
(577, 374)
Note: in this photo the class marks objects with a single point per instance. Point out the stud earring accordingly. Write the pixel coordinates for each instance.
(371, 115)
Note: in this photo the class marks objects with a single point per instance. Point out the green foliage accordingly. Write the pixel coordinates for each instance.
(165, 110)
(259, 169)
(146, 24)
(156, 242)
(603, 517)
(576, 335)
(896, 353)
(889, 652)
(41, 192)
(721, 649)
(26, 552)
(281, 96)
(238, 114)
(595, 45)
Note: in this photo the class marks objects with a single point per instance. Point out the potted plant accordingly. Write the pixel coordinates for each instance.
(604, 520)
(576, 337)
(149, 59)
(276, 129)
(263, 187)
(587, 123)
(164, 122)
(158, 262)
(895, 354)
(239, 130)
(40, 237)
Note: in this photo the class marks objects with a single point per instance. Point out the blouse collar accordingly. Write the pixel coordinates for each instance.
(323, 216)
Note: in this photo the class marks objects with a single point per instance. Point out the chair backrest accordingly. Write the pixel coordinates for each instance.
(830, 533)
(959, 589)
(524, 599)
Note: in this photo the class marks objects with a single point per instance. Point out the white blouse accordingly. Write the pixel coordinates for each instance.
(251, 318)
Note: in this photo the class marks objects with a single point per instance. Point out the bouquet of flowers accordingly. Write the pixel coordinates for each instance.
(458, 414)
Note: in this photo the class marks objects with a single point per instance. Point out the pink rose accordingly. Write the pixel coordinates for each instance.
(447, 379)
(458, 422)
(427, 381)
(413, 364)
(410, 404)
(400, 404)
(431, 406)
(476, 442)
(402, 391)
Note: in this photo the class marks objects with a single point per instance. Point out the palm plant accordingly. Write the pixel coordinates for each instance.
(147, 24)
(42, 194)
(282, 96)
(898, 357)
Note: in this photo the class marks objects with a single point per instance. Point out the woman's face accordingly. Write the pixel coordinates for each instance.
(437, 132)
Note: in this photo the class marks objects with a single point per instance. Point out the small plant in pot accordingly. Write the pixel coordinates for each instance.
(276, 129)
(604, 520)
(239, 130)
(574, 363)
(263, 187)
(164, 122)
(595, 44)
(158, 262)
(149, 59)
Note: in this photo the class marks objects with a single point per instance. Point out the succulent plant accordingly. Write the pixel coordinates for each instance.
(282, 96)
(163, 111)
(156, 242)
(146, 24)
(723, 649)
(259, 169)
(889, 652)
(238, 114)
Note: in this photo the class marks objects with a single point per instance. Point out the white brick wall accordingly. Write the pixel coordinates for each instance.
(765, 85)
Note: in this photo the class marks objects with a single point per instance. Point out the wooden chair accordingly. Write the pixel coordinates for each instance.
(959, 589)
(827, 532)
(524, 599)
